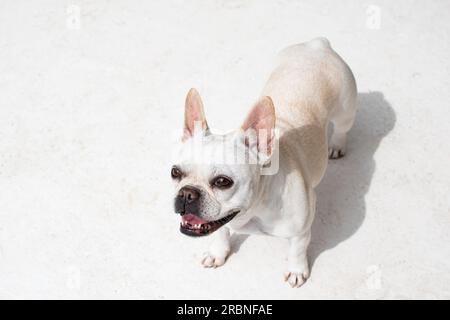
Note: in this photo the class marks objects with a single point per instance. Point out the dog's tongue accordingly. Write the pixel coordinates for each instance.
(192, 219)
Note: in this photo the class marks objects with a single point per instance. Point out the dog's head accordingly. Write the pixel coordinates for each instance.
(216, 177)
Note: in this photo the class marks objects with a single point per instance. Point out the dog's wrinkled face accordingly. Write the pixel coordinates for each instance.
(211, 193)
(211, 185)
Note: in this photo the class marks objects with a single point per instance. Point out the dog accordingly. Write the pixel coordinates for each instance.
(310, 87)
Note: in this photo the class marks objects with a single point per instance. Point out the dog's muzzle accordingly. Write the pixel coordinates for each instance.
(187, 205)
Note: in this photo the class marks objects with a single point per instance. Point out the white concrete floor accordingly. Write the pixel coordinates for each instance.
(89, 104)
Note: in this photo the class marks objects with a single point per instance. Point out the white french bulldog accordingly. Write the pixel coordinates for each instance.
(310, 86)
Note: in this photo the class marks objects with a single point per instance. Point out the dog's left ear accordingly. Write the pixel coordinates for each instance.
(260, 123)
(194, 115)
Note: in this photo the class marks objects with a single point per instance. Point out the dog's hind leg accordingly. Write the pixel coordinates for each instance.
(342, 118)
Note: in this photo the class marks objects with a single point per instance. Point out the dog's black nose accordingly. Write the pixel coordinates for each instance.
(189, 194)
(187, 200)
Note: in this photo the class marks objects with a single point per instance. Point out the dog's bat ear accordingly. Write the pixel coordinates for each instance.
(194, 115)
(260, 123)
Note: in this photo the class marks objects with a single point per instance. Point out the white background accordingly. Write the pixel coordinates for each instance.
(88, 106)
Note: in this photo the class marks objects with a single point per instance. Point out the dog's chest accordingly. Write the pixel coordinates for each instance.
(253, 226)
(263, 221)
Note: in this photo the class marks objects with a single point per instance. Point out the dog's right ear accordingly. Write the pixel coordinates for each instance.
(194, 115)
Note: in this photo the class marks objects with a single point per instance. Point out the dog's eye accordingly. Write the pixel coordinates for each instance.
(222, 182)
(176, 173)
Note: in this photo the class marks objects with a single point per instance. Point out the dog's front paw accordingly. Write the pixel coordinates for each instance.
(210, 260)
(296, 278)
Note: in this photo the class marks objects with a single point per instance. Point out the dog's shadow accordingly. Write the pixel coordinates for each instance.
(341, 207)
(341, 195)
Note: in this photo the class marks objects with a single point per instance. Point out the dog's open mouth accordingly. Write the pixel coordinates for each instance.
(194, 226)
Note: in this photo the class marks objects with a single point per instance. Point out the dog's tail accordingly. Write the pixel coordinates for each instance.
(319, 43)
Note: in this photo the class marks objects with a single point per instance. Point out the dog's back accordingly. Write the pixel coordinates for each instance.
(309, 85)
